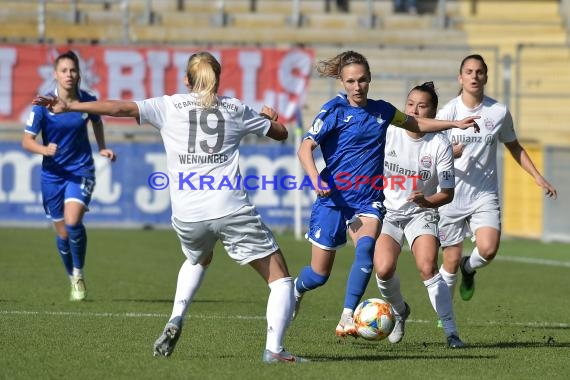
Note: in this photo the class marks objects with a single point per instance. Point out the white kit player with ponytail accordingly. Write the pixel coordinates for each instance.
(201, 132)
(476, 208)
(426, 160)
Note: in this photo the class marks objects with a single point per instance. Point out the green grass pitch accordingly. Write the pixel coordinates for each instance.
(517, 325)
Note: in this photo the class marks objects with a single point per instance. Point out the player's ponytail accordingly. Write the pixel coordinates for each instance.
(203, 73)
(428, 88)
(332, 67)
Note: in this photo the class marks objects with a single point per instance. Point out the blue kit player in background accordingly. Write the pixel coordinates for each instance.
(68, 170)
(351, 132)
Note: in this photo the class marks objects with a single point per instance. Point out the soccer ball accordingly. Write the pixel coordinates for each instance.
(373, 319)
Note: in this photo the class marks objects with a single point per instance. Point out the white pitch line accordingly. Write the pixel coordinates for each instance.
(122, 315)
(250, 317)
(84, 314)
(534, 261)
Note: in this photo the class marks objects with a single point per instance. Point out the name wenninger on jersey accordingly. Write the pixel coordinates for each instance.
(190, 159)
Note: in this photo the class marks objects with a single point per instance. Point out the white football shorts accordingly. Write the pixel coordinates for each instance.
(456, 225)
(243, 234)
(423, 223)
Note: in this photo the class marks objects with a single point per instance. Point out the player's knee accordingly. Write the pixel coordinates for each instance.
(427, 271)
(385, 266)
(488, 253)
(75, 230)
(451, 258)
(385, 272)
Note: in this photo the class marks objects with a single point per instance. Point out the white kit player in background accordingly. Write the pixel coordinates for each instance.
(476, 208)
(411, 213)
(201, 132)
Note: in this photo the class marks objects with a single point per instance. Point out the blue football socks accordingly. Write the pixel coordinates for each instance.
(65, 254)
(309, 280)
(77, 244)
(360, 272)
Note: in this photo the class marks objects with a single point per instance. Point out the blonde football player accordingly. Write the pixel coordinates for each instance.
(350, 130)
(201, 132)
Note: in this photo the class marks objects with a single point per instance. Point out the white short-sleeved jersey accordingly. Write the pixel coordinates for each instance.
(202, 152)
(476, 169)
(414, 165)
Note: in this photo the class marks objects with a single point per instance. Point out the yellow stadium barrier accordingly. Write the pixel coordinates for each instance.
(522, 199)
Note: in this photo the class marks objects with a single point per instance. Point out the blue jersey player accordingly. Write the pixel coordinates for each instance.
(351, 132)
(68, 171)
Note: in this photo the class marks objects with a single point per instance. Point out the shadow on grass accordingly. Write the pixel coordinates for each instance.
(549, 342)
(530, 326)
(373, 358)
(546, 342)
(140, 300)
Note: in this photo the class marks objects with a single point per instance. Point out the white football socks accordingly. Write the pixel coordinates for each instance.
(440, 298)
(189, 280)
(390, 290)
(280, 306)
(77, 272)
(450, 279)
(475, 261)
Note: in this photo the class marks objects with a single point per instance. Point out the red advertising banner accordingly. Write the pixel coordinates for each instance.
(274, 77)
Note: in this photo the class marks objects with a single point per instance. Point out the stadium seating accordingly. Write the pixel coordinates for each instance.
(403, 50)
(533, 34)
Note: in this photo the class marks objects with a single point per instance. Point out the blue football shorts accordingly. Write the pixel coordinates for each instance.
(56, 191)
(328, 224)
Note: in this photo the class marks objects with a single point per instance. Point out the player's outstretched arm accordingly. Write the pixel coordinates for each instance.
(116, 108)
(424, 124)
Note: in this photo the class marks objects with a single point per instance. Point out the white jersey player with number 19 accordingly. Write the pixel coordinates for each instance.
(420, 178)
(202, 152)
(201, 132)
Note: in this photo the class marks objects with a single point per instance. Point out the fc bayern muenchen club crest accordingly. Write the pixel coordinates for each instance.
(426, 162)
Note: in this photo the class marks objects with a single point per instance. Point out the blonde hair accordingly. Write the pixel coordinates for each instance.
(332, 67)
(203, 73)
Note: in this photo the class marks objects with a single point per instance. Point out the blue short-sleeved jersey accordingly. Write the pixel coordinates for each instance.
(352, 142)
(69, 132)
